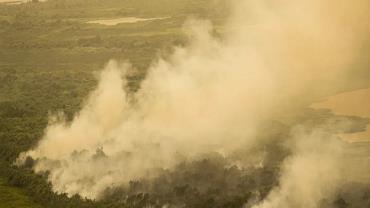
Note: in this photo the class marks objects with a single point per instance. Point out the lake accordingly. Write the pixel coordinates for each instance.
(11, 2)
(354, 103)
(111, 22)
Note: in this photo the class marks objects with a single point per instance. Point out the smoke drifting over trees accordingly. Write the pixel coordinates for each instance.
(212, 97)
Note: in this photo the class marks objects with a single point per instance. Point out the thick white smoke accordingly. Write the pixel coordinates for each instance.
(209, 97)
(312, 174)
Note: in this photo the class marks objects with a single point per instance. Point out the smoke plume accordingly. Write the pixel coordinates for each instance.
(211, 96)
(312, 174)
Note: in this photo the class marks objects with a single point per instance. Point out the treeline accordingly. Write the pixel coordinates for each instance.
(203, 183)
(210, 182)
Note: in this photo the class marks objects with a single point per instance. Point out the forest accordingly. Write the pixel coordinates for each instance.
(50, 58)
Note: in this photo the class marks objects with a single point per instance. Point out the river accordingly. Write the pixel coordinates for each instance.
(354, 103)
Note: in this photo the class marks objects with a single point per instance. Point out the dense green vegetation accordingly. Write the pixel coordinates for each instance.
(48, 56)
(14, 197)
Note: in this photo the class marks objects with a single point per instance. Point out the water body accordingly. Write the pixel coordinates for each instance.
(354, 103)
(11, 2)
(111, 22)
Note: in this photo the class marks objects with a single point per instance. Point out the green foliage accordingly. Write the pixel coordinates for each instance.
(12, 197)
